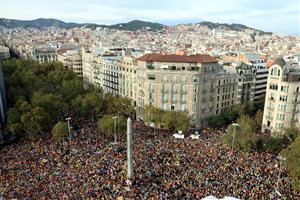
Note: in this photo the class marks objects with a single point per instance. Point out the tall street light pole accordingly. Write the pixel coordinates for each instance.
(280, 158)
(129, 149)
(69, 127)
(115, 129)
(234, 133)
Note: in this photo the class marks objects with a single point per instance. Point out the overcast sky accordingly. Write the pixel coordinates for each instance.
(269, 15)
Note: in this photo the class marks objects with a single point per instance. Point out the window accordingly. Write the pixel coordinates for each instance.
(173, 97)
(164, 106)
(173, 107)
(151, 76)
(182, 107)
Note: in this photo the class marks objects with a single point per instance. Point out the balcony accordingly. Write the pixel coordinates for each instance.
(183, 101)
(150, 67)
(174, 101)
(183, 92)
(270, 108)
(269, 117)
(164, 91)
(164, 101)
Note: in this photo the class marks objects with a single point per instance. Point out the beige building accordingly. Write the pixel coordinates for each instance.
(72, 59)
(282, 102)
(196, 84)
(128, 78)
(44, 54)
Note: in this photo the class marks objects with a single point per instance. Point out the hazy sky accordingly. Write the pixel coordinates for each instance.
(269, 15)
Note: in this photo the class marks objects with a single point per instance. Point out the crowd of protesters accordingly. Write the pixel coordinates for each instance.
(89, 167)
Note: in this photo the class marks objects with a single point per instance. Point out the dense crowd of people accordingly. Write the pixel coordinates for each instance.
(89, 167)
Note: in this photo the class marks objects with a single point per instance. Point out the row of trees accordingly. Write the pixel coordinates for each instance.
(244, 136)
(172, 120)
(41, 95)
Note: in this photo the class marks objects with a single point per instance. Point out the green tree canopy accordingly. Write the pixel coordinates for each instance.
(292, 132)
(60, 130)
(153, 114)
(117, 105)
(106, 124)
(291, 154)
(51, 103)
(243, 135)
(176, 120)
(89, 105)
(35, 121)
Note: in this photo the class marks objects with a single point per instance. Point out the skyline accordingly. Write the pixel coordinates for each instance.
(271, 16)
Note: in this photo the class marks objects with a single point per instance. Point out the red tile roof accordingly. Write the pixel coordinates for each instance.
(199, 58)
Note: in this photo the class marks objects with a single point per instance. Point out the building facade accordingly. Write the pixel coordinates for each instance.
(4, 52)
(185, 83)
(44, 54)
(73, 61)
(282, 102)
(260, 78)
(128, 78)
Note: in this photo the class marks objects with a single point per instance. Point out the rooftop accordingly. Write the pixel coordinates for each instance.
(199, 58)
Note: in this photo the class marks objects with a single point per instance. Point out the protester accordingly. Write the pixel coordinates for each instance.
(89, 167)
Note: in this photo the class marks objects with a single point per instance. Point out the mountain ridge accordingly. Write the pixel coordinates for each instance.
(133, 25)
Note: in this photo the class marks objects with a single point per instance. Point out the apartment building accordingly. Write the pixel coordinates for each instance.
(282, 102)
(72, 59)
(185, 83)
(110, 73)
(252, 81)
(260, 78)
(128, 78)
(101, 70)
(4, 52)
(87, 67)
(44, 54)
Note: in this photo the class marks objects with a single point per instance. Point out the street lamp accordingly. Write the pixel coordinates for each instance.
(234, 130)
(69, 127)
(280, 158)
(115, 130)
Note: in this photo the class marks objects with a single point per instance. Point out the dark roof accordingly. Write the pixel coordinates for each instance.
(199, 58)
(280, 62)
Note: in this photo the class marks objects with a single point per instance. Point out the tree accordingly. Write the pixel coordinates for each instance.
(291, 154)
(60, 130)
(153, 114)
(117, 105)
(169, 119)
(70, 89)
(217, 121)
(176, 120)
(224, 118)
(246, 108)
(106, 124)
(14, 116)
(258, 117)
(89, 105)
(50, 103)
(292, 132)
(182, 121)
(35, 121)
(243, 135)
(229, 115)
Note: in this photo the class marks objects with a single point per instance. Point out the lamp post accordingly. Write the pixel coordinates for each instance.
(280, 158)
(69, 129)
(234, 132)
(129, 149)
(115, 130)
